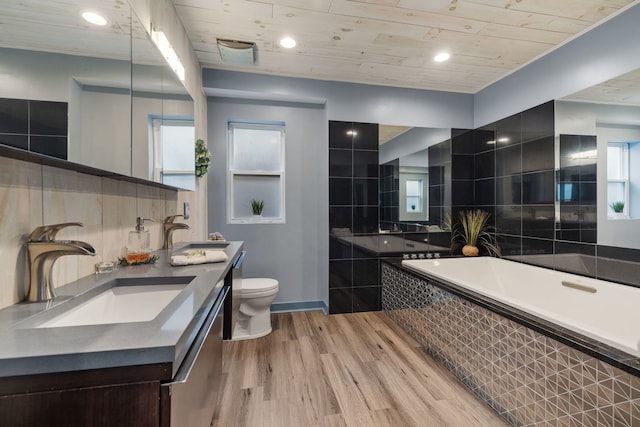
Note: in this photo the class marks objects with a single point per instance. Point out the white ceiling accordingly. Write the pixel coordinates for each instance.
(392, 42)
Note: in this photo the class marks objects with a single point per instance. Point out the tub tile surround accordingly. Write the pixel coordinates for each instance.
(528, 377)
(32, 195)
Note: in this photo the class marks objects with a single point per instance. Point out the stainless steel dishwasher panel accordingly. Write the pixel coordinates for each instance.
(191, 398)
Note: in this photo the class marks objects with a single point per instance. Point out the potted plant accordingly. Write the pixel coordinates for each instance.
(203, 157)
(256, 208)
(618, 209)
(473, 232)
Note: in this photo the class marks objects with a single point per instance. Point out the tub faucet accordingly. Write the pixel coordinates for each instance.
(169, 227)
(43, 251)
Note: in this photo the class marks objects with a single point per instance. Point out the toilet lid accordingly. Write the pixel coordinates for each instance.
(258, 285)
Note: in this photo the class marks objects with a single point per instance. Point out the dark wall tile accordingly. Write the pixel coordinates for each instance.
(365, 136)
(461, 193)
(365, 164)
(531, 246)
(436, 175)
(17, 141)
(462, 141)
(340, 273)
(54, 146)
(484, 139)
(367, 299)
(462, 166)
(509, 220)
(485, 192)
(569, 145)
(340, 300)
(340, 163)
(365, 219)
(509, 160)
(538, 188)
(14, 116)
(340, 218)
(509, 190)
(339, 249)
(366, 272)
(340, 191)
(588, 193)
(435, 195)
(538, 122)
(538, 221)
(538, 155)
(48, 118)
(340, 134)
(365, 192)
(484, 165)
(509, 245)
(508, 131)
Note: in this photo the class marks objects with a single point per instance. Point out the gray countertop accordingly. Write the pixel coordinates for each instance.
(25, 349)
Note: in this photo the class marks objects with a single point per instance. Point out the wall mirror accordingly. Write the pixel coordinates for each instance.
(107, 80)
(408, 191)
(600, 126)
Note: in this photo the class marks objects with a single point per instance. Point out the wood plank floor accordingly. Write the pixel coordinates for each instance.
(341, 370)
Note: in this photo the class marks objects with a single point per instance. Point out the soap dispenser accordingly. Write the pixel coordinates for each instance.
(138, 244)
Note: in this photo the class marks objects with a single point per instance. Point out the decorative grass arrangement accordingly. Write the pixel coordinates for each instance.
(257, 206)
(474, 233)
(203, 157)
(124, 262)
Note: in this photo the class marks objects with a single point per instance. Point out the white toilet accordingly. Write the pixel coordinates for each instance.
(254, 316)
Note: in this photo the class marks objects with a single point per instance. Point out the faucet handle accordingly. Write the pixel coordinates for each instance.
(171, 218)
(46, 233)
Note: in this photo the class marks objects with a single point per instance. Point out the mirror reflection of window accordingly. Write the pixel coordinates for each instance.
(173, 145)
(618, 177)
(414, 195)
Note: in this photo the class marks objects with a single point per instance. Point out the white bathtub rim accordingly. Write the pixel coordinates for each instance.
(574, 333)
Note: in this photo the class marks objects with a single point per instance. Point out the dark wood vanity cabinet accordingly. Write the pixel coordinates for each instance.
(128, 396)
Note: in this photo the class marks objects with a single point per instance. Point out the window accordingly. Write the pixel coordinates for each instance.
(256, 169)
(618, 175)
(173, 145)
(414, 196)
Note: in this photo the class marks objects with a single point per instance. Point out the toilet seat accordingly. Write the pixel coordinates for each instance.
(258, 286)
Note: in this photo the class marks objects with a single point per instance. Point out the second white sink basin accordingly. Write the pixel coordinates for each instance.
(118, 304)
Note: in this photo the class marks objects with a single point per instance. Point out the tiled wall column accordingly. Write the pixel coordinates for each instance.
(353, 211)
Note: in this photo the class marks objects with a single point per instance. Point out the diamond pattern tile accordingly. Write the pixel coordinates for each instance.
(528, 378)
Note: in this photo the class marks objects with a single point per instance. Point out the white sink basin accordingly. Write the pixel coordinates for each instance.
(118, 304)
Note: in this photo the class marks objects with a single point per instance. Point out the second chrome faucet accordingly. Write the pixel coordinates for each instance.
(168, 227)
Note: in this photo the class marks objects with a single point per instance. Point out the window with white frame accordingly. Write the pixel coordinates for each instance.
(618, 175)
(256, 171)
(414, 196)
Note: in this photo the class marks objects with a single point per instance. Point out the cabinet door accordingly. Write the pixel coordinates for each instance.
(135, 405)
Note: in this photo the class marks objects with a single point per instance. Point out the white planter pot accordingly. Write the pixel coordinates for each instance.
(257, 218)
(618, 215)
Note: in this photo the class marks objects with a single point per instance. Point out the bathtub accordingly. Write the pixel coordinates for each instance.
(536, 350)
(604, 311)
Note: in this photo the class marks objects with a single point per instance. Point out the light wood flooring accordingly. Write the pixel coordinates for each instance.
(341, 370)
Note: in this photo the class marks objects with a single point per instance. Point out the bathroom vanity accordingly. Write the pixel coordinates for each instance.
(158, 362)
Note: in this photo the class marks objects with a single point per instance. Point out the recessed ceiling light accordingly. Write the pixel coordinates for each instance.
(94, 18)
(504, 139)
(352, 133)
(441, 57)
(288, 42)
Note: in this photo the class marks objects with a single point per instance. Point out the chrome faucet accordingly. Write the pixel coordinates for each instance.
(169, 227)
(43, 252)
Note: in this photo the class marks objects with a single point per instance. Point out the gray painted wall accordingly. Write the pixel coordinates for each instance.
(603, 53)
(295, 253)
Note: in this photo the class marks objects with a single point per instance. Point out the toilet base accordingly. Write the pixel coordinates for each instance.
(243, 335)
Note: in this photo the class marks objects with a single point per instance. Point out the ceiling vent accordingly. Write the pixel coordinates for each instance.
(235, 52)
